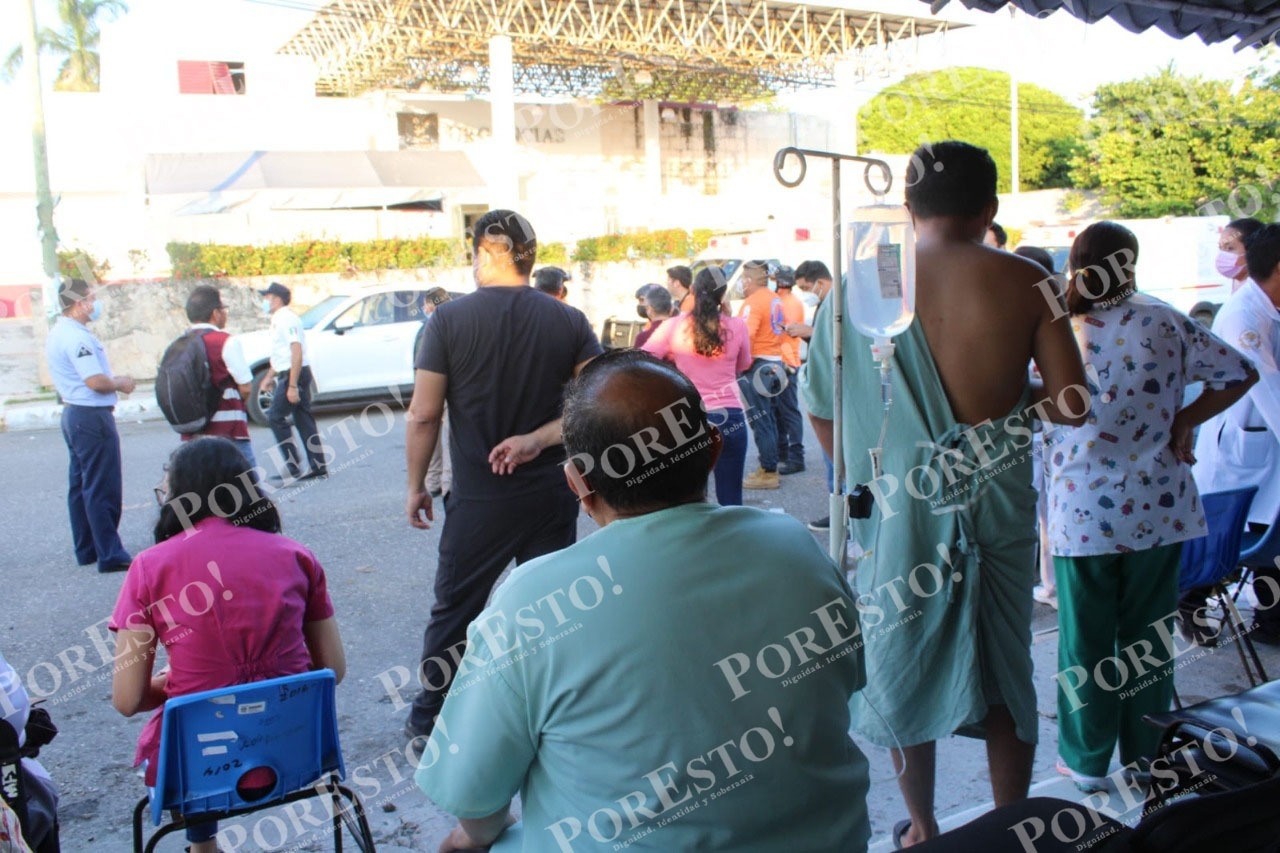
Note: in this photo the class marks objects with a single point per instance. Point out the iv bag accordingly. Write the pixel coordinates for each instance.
(881, 294)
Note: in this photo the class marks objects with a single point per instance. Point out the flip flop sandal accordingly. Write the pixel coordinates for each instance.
(900, 829)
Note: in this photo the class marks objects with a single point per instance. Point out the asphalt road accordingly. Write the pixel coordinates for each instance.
(380, 575)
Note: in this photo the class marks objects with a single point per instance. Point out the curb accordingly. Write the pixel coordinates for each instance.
(22, 417)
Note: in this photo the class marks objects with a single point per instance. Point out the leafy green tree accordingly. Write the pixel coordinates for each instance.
(972, 105)
(75, 42)
(1172, 145)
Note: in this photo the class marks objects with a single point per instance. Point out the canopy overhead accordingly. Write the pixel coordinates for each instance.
(1253, 22)
(612, 48)
(309, 180)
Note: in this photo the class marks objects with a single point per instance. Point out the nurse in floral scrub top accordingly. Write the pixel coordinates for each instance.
(1122, 499)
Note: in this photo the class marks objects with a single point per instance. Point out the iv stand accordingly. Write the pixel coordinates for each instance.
(838, 502)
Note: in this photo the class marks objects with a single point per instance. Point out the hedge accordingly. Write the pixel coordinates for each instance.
(202, 260)
(649, 246)
(77, 263)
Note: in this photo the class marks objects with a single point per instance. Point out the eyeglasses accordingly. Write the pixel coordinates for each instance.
(162, 490)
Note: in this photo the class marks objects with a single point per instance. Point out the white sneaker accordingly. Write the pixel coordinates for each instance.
(1044, 596)
(1086, 784)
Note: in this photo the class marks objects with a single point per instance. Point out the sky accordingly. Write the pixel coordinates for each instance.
(1059, 52)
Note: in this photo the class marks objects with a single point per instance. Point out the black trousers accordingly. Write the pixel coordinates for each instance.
(479, 540)
(278, 417)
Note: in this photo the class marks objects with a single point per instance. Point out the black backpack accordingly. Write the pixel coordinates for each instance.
(184, 384)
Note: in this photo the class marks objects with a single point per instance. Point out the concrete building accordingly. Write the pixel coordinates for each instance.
(191, 98)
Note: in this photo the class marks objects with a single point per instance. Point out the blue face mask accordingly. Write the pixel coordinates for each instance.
(266, 307)
(96, 311)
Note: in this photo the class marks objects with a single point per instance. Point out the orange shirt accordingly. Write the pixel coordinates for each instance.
(792, 312)
(762, 311)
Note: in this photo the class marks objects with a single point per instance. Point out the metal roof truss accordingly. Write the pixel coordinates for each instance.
(596, 47)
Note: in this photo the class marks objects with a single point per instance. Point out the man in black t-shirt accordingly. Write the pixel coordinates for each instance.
(500, 357)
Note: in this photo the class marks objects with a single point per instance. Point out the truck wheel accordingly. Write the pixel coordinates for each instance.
(259, 401)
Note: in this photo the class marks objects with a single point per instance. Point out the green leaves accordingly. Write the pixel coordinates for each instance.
(650, 246)
(201, 260)
(77, 263)
(972, 104)
(75, 42)
(1171, 145)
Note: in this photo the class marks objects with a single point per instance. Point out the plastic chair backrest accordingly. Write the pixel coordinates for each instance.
(1209, 559)
(1261, 549)
(210, 740)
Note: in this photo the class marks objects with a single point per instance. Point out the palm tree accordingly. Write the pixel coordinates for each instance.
(76, 42)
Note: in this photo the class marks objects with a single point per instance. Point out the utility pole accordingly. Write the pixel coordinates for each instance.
(1013, 102)
(48, 290)
(1013, 129)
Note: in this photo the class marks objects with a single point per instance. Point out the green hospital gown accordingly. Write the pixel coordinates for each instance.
(945, 590)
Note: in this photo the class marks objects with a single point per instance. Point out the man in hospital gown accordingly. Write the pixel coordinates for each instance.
(945, 591)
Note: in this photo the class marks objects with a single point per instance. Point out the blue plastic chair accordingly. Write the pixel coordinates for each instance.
(1214, 557)
(1256, 550)
(209, 742)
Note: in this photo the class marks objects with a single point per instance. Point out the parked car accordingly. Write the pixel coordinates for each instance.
(360, 346)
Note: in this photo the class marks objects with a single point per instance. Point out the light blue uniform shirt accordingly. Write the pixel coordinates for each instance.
(675, 681)
(75, 354)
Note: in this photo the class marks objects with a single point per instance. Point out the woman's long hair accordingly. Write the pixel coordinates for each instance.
(210, 476)
(708, 293)
(1102, 261)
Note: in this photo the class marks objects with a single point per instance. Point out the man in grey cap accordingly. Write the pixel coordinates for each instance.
(288, 380)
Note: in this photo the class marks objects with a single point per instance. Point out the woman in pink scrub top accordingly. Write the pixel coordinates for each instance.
(231, 599)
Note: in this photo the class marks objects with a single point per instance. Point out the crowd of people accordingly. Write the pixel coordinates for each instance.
(688, 675)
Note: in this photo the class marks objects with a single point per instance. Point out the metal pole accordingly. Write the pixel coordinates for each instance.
(1014, 45)
(839, 505)
(1013, 129)
(504, 185)
(48, 292)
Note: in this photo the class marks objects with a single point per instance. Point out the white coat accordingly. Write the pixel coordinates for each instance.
(1241, 446)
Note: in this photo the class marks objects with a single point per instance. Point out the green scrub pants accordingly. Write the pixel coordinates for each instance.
(1114, 664)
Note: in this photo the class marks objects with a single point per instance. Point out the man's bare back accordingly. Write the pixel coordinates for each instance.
(985, 320)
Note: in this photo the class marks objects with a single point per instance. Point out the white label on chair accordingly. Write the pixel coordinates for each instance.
(210, 737)
(213, 750)
(252, 708)
(229, 699)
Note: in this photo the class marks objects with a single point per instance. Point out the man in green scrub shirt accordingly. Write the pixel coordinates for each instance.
(678, 680)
